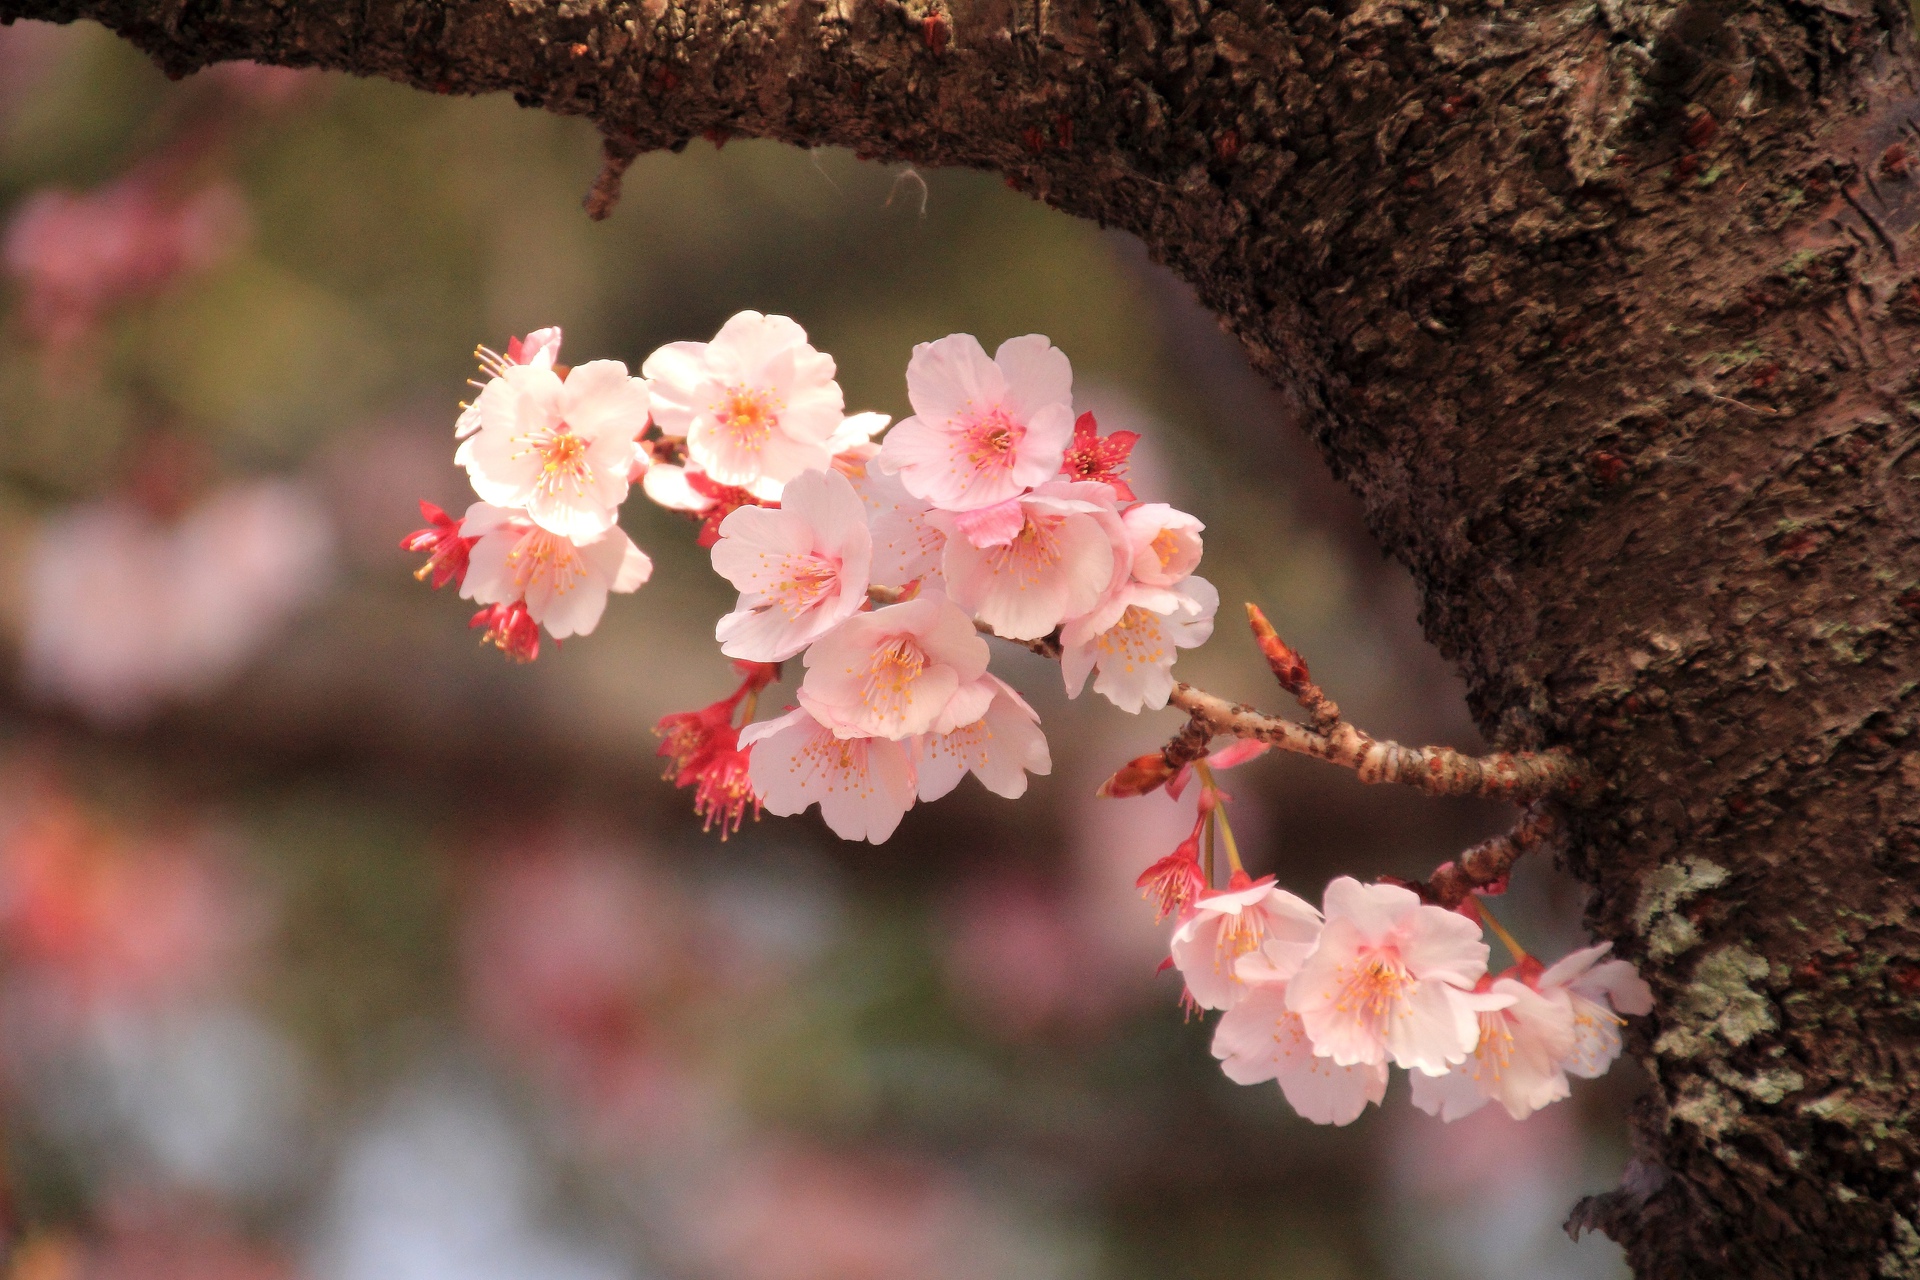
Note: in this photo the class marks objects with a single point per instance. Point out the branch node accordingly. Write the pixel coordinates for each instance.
(617, 154)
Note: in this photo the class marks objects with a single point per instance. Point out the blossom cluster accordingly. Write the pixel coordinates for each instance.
(548, 451)
(878, 564)
(1323, 1001)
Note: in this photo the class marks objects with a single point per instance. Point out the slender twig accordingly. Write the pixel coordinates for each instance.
(1485, 866)
(1440, 771)
(1507, 775)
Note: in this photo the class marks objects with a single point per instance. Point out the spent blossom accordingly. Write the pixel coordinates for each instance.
(1175, 882)
(983, 431)
(702, 749)
(447, 550)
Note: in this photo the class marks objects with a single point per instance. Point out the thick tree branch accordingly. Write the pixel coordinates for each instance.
(1610, 314)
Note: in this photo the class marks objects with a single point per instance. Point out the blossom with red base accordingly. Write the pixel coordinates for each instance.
(1091, 456)
(721, 789)
(702, 749)
(446, 550)
(726, 499)
(1174, 882)
(510, 629)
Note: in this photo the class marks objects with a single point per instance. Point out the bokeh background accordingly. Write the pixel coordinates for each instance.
(333, 946)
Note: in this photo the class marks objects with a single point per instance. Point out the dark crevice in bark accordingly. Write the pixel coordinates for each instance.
(1610, 313)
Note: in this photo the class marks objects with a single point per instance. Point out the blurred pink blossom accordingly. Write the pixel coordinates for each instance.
(174, 1247)
(124, 612)
(566, 950)
(1016, 957)
(800, 1213)
(1486, 1155)
(265, 87)
(93, 918)
(77, 256)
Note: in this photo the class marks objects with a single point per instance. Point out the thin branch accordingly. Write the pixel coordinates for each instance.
(1519, 776)
(1486, 865)
(1440, 771)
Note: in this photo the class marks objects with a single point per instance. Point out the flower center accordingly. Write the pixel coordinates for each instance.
(1375, 991)
(563, 460)
(891, 672)
(992, 441)
(1033, 551)
(750, 415)
(544, 558)
(1133, 642)
(804, 580)
(1239, 933)
(1495, 1049)
(1165, 546)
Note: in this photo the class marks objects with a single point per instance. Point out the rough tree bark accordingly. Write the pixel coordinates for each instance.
(1610, 311)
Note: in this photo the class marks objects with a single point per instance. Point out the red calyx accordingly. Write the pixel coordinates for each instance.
(727, 499)
(510, 629)
(1091, 456)
(446, 550)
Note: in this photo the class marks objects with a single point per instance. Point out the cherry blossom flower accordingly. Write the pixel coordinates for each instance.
(1175, 882)
(703, 752)
(983, 431)
(862, 785)
(800, 569)
(1091, 456)
(1135, 652)
(757, 405)
(853, 438)
(558, 449)
(1259, 1038)
(446, 550)
(1026, 565)
(909, 668)
(671, 486)
(1001, 748)
(540, 349)
(1391, 978)
(1589, 984)
(510, 629)
(563, 583)
(1516, 1061)
(906, 545)
(1165, 543)
(1248, 916)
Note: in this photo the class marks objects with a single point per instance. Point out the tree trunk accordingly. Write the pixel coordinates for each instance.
(1611, 313)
